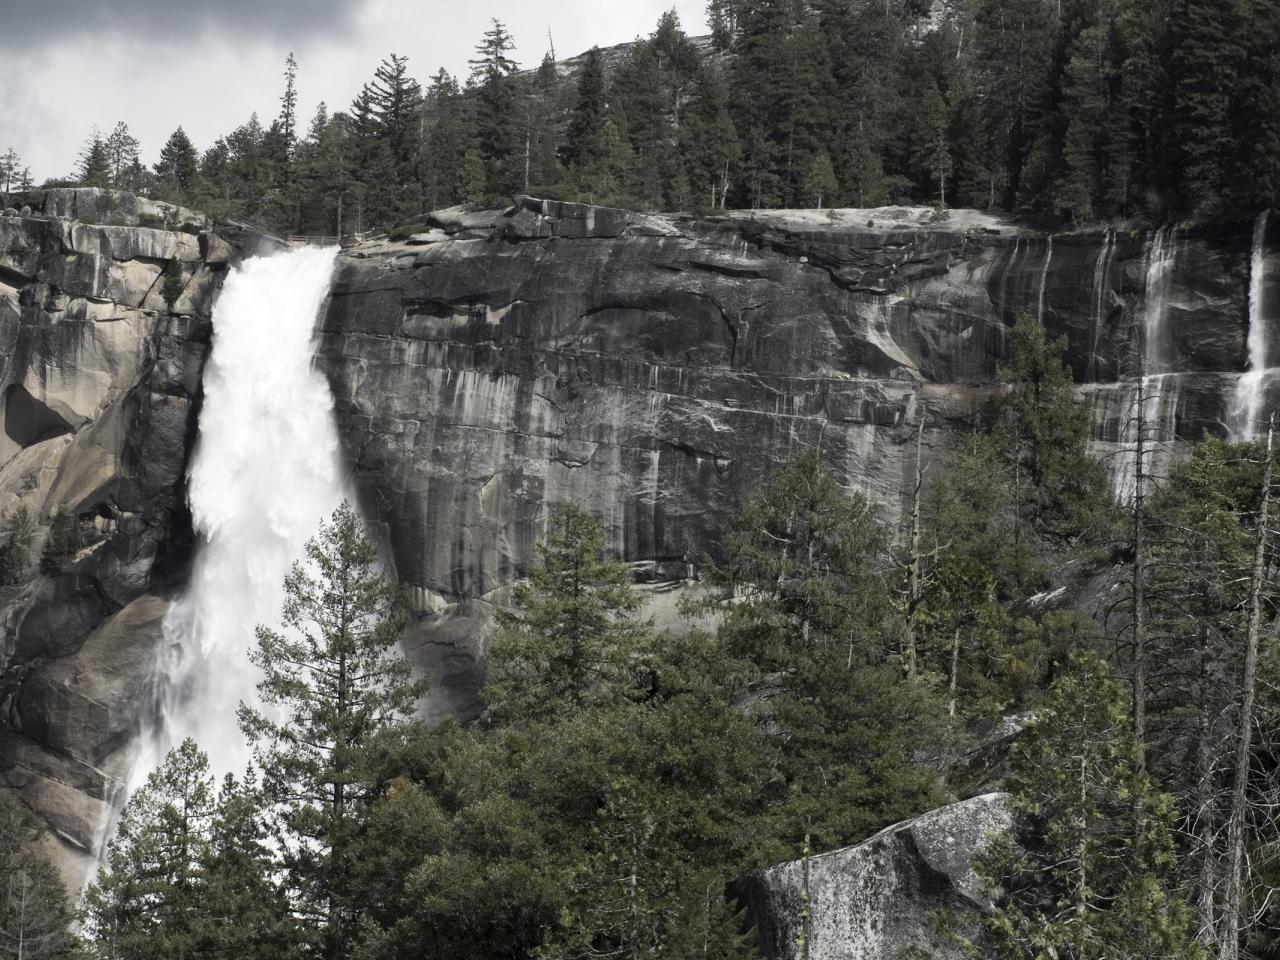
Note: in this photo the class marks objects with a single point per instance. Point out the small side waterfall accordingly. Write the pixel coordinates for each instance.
(1250, 392)
(1162, 254)
(266, 471)
(1003, 295)
(1101, 278)
(1044, 280)
(1160, 387)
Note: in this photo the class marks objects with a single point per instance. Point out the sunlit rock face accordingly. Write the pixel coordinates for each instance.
(880, 899)
(494, 365)
(99, 389)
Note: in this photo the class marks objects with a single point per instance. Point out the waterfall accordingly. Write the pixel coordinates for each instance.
(265, 472)
(1162, 388)
(1044, 280)
(1246, 404)
(1100, 288)
(1161, 394)
(1162, 252)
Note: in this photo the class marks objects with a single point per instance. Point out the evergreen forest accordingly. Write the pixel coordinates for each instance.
(1072, 111)
(838, 675)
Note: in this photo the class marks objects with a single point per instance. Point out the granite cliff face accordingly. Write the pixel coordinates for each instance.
(493, 365)
(99, 389)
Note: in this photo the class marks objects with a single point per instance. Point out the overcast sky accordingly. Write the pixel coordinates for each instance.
(68, 65)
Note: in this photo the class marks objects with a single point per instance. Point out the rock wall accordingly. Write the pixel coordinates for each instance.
(99, 389)
(873, 901)
(493, 365)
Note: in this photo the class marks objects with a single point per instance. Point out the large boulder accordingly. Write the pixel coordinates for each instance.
(882, 897)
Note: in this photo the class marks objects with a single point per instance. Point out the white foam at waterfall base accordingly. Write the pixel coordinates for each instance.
(266, 470)
(1246, 403)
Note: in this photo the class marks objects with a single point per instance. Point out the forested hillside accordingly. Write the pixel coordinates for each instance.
(1073, 110)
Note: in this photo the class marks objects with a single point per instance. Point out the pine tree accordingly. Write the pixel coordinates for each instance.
(10, 169)
(396, 98)
(149, 900)
(1204, 68)
(722, 15)
(248, 914)
(122, 155)
(1081, 881)
(811, 612)
(709, 140)
(1014, 44)
(446, 142)
(1043, 434)
(174, 284)
(95, 162)
(568, 642)
(332, 681)
(179, 165)
(35, 922)
(498, 131)
(289, 111)
(586, 144)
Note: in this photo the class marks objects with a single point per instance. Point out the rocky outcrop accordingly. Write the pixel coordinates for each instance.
(879, 899)
(99, 388)
(493, 365)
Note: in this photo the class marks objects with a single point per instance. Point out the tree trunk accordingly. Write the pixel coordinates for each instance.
(1205, 808)
(915, 569)
(1139, 591)
(806, 915)
(1233, 899)
(955, 672)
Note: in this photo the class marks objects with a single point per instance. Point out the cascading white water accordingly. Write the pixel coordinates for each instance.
(1044, 280)
(1158, 417)
(1246, 404)
(266, 471)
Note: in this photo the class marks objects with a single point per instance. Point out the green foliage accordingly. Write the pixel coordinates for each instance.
(188, 871)
(600, 807)
(810, 621)
(34, 918)
(62, 544)
(568, 642)
(172, 283)
(333, 679)
(1042, 435)
(95, 163)
(1090, 870)
(178, 167)
(1075, 112)
(15, 547)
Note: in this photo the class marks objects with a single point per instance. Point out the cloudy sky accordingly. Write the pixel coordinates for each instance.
(68, 65)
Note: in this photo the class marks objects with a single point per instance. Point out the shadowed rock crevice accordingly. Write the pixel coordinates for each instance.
(28, 421)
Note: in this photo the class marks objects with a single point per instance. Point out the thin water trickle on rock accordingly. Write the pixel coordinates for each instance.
(1100, 286)
(265, 472)
(1044, 280)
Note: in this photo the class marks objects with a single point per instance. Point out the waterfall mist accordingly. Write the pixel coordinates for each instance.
(266, 470)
